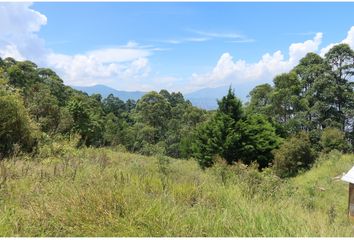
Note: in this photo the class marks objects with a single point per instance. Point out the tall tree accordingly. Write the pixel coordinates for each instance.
(231, 105)
(341, 60)
(154, 110)
(260, 100)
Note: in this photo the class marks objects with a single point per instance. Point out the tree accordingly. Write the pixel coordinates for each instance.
(231, 105)
(114, 105)
(210, 138)
(333, 138)
(341, 60)
(257, 140)
(130, 105)
(111, 135)
(86, 123)
(16, 126)
(261, 101)
(154, 110)
(66, 122)
(285, 97)
(22, 74)
(312, 72)
(54, 83)
(44, 107)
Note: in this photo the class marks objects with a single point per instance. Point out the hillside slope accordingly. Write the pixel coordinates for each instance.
(106, 192)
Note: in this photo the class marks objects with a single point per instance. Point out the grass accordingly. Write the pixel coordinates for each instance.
(107, 192)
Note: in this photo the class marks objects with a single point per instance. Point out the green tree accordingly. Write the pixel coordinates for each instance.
(333, 138)
(44, 107)
(55, 85)
(16, 126)
(341, 60)
(285, 98)
(231, 105)
(154, 110)
(258, 139)
(313, 73)
(111, 135)
(261, 101)
(208, 142)
(86, 123)
(114, 105)
(22, 74)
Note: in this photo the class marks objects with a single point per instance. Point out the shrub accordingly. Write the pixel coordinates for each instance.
(294, 154)
(149, 149)
(15, 125)
(333, 138)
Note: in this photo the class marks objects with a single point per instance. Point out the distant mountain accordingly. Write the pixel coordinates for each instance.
(105, 91)
(205, 98)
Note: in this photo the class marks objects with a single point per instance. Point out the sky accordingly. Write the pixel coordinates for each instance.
(175, 46)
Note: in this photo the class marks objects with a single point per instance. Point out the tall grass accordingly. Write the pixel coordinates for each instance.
(106, 192)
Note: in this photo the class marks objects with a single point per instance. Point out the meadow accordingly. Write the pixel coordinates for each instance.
(65, 191)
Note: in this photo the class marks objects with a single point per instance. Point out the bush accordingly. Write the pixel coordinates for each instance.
(294, 154)
(333, 139)
(149, 149)
(15, 125)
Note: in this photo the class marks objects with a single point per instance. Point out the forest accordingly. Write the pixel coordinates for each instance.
(64, 151)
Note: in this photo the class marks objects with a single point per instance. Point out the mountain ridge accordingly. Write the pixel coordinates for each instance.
(205, 98)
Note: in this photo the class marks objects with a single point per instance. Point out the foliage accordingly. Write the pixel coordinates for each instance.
(316, 94)
(233, 136)
(294, 155)
(333, 139)
(257, 140)
(16, 126)
(231, 106)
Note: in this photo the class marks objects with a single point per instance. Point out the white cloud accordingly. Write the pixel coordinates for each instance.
(203, 36)
(229, 71)
(246, 40)
(348, 40)
(232, 37)
(12, 25)
(127, 67)
(219, 34)
(185, 40)
(88, 69)
(121, 66)
(11, 50)
(18, 27)
(125, 53)
(113, 66)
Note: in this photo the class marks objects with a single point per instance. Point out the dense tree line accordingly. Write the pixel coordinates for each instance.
(35, 102)
(307, 111)
(285, 125)
(316, 94)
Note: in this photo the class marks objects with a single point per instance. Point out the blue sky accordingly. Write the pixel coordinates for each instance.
(177, 46)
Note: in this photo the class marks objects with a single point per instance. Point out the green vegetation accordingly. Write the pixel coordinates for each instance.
(16, 129)
(109, 192)
(70, 163)
(294, 155)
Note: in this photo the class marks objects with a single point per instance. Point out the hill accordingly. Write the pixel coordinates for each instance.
(109, 192)
(105, 91)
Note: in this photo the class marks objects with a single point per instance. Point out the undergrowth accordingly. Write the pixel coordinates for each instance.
(65, 191)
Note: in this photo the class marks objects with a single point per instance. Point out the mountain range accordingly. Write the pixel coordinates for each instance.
(205, 98)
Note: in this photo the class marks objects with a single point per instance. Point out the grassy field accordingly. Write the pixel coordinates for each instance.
(109, 192)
